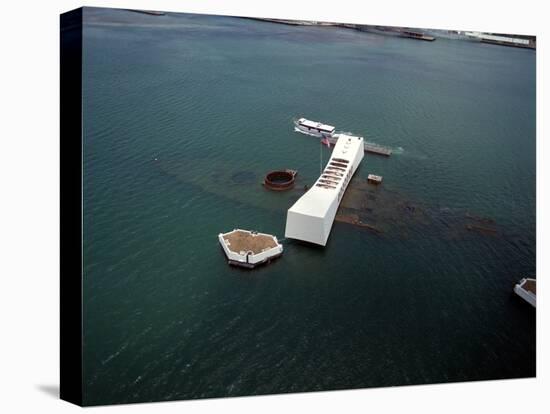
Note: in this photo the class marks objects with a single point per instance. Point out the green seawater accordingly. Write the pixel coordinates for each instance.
(183, 116)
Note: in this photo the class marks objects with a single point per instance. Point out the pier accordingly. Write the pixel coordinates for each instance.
(368, 146)
(528, 42)
(377, 149)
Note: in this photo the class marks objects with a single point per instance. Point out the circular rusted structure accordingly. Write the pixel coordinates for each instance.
(280, 180)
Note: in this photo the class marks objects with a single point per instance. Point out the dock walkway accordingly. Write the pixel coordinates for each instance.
(369, 147)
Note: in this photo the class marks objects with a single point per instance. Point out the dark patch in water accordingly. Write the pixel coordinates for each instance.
(481, 229)
(480, 219)
(389, 212)
(244, 177)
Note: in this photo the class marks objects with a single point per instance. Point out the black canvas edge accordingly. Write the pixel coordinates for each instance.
(71, 387)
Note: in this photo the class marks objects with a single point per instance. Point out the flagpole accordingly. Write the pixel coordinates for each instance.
(321, 157)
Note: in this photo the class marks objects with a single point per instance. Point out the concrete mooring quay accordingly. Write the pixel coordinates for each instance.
(375, 179)
(249, 249)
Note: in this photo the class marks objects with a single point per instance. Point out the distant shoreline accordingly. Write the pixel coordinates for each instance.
(414, 33)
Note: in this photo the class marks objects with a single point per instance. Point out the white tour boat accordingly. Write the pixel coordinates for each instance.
(314, 128)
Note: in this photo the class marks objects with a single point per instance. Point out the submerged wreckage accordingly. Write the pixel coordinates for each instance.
(311, 217)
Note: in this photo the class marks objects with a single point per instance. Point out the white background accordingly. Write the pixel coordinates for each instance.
(29, 207)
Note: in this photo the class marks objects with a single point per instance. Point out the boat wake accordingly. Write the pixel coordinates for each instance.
(394, 150)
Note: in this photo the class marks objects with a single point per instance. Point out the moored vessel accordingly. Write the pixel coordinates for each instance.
(417, 35)
(314, 128)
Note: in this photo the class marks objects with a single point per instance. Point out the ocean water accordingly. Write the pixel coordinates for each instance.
(183, 116)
